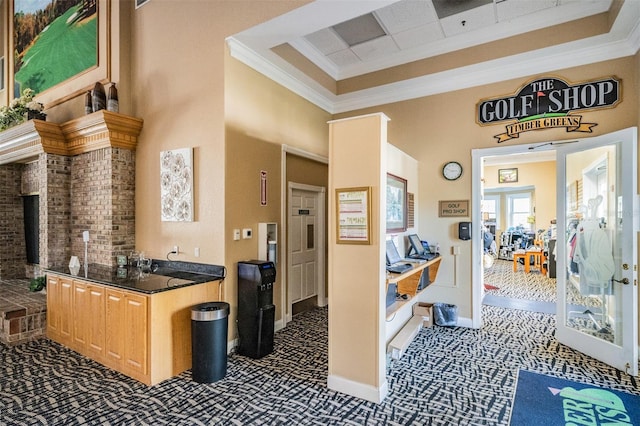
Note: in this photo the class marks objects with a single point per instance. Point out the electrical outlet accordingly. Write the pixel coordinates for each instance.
(176, 250)
(247, 233)
(236, 234)
(455, 250)
(196, 252)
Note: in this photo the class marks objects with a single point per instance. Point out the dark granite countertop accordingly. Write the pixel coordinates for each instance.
(166, 275)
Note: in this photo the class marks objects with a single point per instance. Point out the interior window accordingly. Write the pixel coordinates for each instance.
(490, 208)
(519, 210)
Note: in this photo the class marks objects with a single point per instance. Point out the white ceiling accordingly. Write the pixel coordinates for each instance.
(418, 29)
(414, 31)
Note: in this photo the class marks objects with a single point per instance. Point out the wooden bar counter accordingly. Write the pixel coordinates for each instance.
(140, 327)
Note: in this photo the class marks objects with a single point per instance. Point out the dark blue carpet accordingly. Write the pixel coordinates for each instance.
(548, 401)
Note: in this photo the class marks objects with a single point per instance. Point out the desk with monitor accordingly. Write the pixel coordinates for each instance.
(412, 281)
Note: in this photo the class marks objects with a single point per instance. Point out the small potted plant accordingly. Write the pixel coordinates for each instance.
(21, 109)
(38, 283)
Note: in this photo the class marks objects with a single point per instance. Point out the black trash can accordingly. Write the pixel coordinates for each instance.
(209, 325)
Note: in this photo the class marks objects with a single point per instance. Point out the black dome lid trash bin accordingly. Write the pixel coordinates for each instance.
(209, 330)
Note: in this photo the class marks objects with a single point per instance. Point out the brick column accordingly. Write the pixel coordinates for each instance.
(102, 202)
(55, 210)
(13, 254)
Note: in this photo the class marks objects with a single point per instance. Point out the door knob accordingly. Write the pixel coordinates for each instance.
(624, 281)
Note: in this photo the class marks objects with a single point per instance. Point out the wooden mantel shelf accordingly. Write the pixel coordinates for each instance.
(101, 129)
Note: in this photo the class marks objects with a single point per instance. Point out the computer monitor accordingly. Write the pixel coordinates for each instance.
(416, 244)
(392, 253)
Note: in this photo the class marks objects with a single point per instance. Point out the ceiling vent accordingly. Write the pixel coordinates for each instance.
(360, 29)
(446, 8)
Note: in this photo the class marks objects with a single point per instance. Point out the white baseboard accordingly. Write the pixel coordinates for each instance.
(278, 325)
(464, 322)
(359, 390)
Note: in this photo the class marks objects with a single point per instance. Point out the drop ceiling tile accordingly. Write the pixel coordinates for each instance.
(406, 14)
(343, 58)
(419, 36)
(446, 8)
(326, 41)
(359, 30)
(469, 20)
(375, 49)
(513, 8)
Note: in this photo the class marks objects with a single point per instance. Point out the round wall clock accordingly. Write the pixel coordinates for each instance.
(452, 170)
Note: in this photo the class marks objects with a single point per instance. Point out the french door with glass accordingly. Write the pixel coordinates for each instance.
(596, 249)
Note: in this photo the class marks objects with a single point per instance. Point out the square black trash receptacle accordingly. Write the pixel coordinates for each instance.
(209, 330)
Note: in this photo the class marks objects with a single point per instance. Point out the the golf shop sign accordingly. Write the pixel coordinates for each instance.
(548, 103)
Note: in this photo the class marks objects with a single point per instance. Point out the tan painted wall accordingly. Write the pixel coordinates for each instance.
(180, 88)
(260, 117)
(180, 84)
(541, 175)
(356, 278)
(243, 203)
(3, 40)
(440, 128)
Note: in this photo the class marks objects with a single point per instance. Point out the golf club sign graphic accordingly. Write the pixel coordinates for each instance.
(548, 103)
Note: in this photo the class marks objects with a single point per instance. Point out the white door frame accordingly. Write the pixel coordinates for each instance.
(477, 277)
(476, 192)
(284, 214)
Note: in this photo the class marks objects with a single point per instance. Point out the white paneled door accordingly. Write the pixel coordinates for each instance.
(303, 245)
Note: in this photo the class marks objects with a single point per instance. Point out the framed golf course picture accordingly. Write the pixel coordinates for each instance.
(60, 47)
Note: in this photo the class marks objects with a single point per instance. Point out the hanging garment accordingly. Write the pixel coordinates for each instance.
(571, 249)
(594, 255)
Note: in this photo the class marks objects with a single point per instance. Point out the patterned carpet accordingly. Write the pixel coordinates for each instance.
(448, 376)
(530, 286)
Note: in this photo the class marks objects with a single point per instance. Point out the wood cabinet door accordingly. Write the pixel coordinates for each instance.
(66, 311)
(136, 348)
(53, 307)
(96, 320)
(81, 315)
(114, 328)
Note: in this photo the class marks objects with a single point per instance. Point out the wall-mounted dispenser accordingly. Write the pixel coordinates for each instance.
(268, 241)
(464, 230)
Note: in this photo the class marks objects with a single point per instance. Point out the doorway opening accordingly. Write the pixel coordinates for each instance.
(518, 229)
(306, 256)
(604, 249)
(308, 173)
(31, 208)
(520, 186)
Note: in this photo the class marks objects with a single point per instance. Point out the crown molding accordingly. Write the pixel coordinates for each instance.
(508, 28)
(100, 129)
(622, 41)
(516, 66)
(309, 89)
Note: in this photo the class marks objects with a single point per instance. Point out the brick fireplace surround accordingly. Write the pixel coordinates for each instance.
(83, 172)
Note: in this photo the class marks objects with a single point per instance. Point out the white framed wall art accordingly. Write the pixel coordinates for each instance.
(176, 185)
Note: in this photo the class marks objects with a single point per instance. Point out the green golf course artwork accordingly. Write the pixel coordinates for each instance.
(53, 42)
